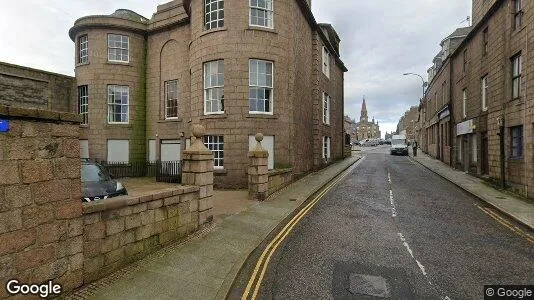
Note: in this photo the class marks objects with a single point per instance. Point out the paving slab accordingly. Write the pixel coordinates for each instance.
(206, 266)
(520, 210)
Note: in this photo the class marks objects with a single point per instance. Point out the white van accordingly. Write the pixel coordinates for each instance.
(399, 145)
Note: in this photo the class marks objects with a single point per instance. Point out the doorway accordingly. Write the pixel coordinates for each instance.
(484, 154)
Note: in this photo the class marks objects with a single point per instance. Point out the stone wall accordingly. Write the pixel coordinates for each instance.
(31, 88)
(278, 179)
(41, 229)
(122, 230)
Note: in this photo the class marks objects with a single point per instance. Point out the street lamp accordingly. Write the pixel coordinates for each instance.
(422, 80)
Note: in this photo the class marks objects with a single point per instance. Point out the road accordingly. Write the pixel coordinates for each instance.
(392, 229)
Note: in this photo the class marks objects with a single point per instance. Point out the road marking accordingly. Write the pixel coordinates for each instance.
(420, 265)
(507, 224)
(263, 261)
(393, 209)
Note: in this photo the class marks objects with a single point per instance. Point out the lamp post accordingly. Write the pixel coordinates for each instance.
(422, 80)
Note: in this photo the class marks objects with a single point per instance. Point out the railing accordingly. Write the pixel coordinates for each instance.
(169, 171)
(166, 171)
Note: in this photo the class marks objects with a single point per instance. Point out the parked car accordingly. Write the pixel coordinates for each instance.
(98, 184)
(399, 145)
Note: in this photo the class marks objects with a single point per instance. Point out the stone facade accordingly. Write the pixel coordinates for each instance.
(482, 67)
(41, 230)
(26, 87)
(408, 124)
(174, 46)
(364, 128)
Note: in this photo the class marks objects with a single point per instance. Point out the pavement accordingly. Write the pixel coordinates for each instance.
(516, 208)
(205, 266)
(392, 229)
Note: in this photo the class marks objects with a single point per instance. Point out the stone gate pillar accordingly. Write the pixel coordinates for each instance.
(258, 171)
(198, 170)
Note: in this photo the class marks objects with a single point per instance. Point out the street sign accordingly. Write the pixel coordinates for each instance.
(4, 125)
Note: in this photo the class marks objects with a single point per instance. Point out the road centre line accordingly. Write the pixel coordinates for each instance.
(393, 209)
(265, 257)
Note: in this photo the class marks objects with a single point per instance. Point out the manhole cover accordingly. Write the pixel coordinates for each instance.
(369, 285)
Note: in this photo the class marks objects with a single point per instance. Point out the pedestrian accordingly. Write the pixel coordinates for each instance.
(414, 148)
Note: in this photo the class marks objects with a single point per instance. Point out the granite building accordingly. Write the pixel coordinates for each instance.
(478, 106)
(364, 128)
(236, 67)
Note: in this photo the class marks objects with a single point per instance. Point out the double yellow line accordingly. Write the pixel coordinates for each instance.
(265, 258)
(507, 224)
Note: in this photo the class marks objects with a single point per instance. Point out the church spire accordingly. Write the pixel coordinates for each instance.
(363, 115)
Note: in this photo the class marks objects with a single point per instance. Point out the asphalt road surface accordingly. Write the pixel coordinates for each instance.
(392, 229)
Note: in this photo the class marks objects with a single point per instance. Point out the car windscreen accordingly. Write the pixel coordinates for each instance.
(398, 142)
(93, 173)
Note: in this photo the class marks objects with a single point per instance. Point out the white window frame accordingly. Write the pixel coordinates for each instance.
(210, 87)
(215, 143)
(326, 148)
(254, 83)
(83, 49)
(326, 62)
(484, 92)
(268, 11)
(111, 94)
(464, 103)
(326, 108)
(124, 39)
(516, 75)
(83, 103)
(217, 11)
(168, 99)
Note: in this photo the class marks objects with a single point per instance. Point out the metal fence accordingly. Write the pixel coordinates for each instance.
(166, 171)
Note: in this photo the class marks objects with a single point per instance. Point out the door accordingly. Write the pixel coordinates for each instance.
(465, 154)
(484, 153)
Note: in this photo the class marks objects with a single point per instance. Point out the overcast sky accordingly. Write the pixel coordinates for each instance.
(380, 40)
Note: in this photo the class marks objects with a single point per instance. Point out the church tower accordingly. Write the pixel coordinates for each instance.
(363, 115)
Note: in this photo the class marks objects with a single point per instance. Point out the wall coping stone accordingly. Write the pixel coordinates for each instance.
(38, 114)
(280, 171)
(123, 201)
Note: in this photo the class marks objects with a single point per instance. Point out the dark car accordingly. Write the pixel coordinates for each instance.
(98, 184)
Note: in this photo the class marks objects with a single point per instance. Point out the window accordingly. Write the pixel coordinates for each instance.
(484, 86)
(214, 87)
(83, 103)
(464, 103)
(326, 148)
(261, 13)
(516, 134)
(267, 144)
(517, 14)
(485, 41)
(118, 99)
(216, 144)
(83, 46)
(516, 76)
(171, 99)
(260, 86)
(326, 108)
(118, 48)
(118, 151)
(213, 14)
(151, 151)
(326, 62)
(170, 150)
(465, 61)
(84, 148)
(443, 93)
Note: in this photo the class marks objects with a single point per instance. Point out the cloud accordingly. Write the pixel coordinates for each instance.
(380, 40)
